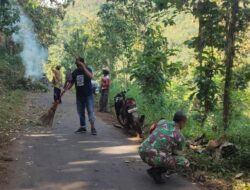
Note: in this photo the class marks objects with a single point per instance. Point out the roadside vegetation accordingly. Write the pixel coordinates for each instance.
(171, 55)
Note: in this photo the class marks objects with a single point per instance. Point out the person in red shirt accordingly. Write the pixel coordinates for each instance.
(105, 85)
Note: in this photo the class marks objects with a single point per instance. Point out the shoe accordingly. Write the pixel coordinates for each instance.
(156, 175)
(161, 169)
(81, 130)
(93, 131)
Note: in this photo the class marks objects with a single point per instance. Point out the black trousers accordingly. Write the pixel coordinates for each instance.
(57, 94)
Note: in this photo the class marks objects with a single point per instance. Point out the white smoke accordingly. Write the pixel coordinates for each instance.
(33, 55)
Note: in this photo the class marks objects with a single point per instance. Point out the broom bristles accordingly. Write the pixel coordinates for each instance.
(48, 117)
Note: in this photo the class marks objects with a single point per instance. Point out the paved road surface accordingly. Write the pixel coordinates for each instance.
(58, 159)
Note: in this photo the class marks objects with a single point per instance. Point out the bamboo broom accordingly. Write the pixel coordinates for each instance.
(47, 118)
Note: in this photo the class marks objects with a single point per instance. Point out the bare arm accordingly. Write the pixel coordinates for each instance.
(86, 71)
(69, 86)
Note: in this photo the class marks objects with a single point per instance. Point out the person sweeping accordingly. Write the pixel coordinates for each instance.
(47, 118)
(161, 149)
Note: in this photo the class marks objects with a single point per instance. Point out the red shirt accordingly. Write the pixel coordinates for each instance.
(105, 83)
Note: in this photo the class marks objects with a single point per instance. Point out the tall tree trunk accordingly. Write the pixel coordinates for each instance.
(200, 49)
(200, 46)
(229, 60)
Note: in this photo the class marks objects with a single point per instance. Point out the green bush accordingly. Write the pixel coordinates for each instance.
(12, 74)
(10, 102)
(27, 84)
(11, 69)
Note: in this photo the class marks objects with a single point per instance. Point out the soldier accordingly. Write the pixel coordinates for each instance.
(160, 149)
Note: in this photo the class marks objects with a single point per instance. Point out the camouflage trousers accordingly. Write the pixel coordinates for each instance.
(160, 159)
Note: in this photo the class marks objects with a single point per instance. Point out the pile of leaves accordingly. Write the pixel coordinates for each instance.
(215, 169)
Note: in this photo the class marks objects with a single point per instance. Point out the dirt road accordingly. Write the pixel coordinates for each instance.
(58, 159)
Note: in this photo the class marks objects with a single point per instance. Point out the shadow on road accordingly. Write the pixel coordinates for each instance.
(57, 159)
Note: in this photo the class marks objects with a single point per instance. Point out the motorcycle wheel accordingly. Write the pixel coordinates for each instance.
(122, 119)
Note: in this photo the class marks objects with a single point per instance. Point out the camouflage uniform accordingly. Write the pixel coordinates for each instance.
(159, 149)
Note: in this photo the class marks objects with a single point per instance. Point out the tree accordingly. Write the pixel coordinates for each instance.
(117, 35)
(209, 46)
(45, 18)
(132, 31)
(153, 69)
(9, 16)
(237, 20)
(233, 9)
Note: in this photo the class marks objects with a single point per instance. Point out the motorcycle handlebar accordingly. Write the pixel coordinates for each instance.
(125, 91)
(122, 93)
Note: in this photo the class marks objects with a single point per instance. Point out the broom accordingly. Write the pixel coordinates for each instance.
(47, 118)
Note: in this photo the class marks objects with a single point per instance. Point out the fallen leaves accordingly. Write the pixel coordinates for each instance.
(241, 185)
(200, 176)
(214, 164)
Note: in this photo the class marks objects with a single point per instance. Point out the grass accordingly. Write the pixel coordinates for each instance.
(177, 98)
(10, 104)
(11, 97)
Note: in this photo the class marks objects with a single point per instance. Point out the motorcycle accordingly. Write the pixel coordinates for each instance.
(127, 113)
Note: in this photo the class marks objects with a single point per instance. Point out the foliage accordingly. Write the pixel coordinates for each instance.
(45, 18)
(209, 45)
(8, 18)
(242, 77)
(236, 21)
(136, 38)
(10, 102)
(152, 60)
(77, 44)
(11, 70)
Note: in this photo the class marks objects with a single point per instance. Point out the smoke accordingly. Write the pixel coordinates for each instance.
(33, 55)
(52, 4)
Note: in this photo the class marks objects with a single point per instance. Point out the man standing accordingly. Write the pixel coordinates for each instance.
(104, 91)
(57, 82)
(81, 77)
